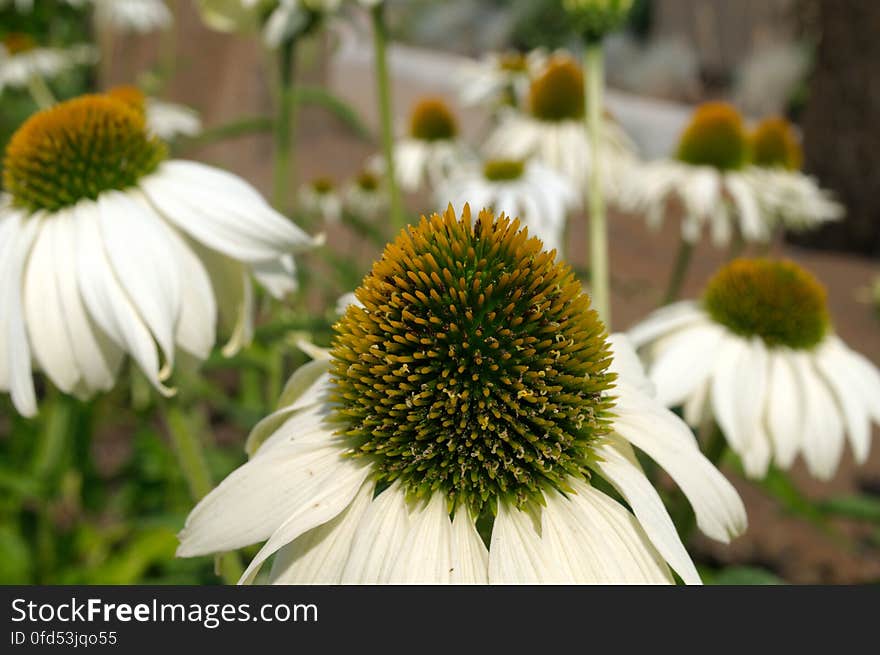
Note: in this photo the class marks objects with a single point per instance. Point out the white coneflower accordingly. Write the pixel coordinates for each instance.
(454, 431)
(167, 120)
(365, 196)
(26, 6)
(140, 16)
(793, 200)
(500, 78)
(320, 199)
(552, 128)
(537, 195)
(281, 19)
(432, 149)
(707, 181)
(21, 59)
(108, 248)
(758, 355)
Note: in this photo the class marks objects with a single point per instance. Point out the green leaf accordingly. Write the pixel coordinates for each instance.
(743, 575)
(16, 563)
(861, 507)
(313, 95)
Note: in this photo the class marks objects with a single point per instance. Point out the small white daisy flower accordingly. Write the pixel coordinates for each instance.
(454, 433)
(500, 78)
(320, 199)
(21, 58)
(108, 248)
(140, 16)
(432, 149)
(791, 199)
(758, 355)
(552, 129)
(707, 181)
(537, 195)
(365, 196)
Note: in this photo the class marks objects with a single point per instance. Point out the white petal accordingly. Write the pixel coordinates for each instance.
(627, 365)
(196, 327)
(668, 441)
(425, 555)
(665, 320)
(617, 464)
(757, 456)
(864, 374)
(728, 387)
(684, 362)
(255, 499)
(105, 299)
(278, 276)
(319, 556)
(470, 559)
(823, 427)
(834, 366)
(516, 555)
(785, 409)
(379, 539)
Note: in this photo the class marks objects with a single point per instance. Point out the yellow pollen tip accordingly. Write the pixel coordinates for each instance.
(716, 137)
(557, 94)
(775, 144)
(432, 120)
(77, 149)
(776, 300)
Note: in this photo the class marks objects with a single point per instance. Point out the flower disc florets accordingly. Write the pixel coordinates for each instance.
(715, 137)
(503, 170)
(475, 366)
(77, 149)
(596, 18)
(558, 93)
(774, 144)
(432, 120)
(15, 43)
(776, 300)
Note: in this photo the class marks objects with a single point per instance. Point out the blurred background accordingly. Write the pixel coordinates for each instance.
(116, 499)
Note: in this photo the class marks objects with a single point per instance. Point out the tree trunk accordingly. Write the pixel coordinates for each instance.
(841, 123)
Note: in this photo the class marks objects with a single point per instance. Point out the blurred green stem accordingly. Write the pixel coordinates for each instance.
(40, 92)
(191, 457)
(56, 435)
(168, 45)
(599, 275)
(383, 91)
(679, 271)
(285, 124)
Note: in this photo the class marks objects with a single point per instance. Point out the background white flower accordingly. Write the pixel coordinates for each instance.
(141, 16)
(21, 59)
(169, 120)
(500, 77)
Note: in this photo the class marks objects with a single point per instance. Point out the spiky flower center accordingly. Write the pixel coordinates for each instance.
(775, 145)
(16, 43)
(129, 95)
(503, 170)
(776, 300)
(476, 366)
(558, 93)
(513, 62)
(323, 186)
(596, 18)
(77, 149)
(715, 137)
(433, 120)
(367, 181)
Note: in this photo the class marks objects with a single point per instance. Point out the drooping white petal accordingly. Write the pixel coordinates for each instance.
(668, 441)
(45, 319)
(425, 555)
(470, 559)
(684, 363)
(516, 555)
(864, 374)
(785, 409)
(727, 385)
(665, 320)
(222, 211)
(278, 276)
(626, 364)
(379, 539)
(319, 556)
(140, 253)
(834, 367)
(823, 438)
(617, 463)
(751, 396)
(106, 300)
(253, 501)
(757, 456)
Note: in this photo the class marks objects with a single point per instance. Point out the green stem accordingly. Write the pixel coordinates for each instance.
(383, 90)
(55, 436)
(40, 92)
(191, 457)
(285, 123)
(232, 130)
(679, 271)
(168, 45)
(599, 273)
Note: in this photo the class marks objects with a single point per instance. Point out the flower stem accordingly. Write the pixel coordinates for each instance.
(599, 274)
(168, 45)
(40, 92)
(679, 271)
(285, 122)
(191, 457)
(383, 91)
